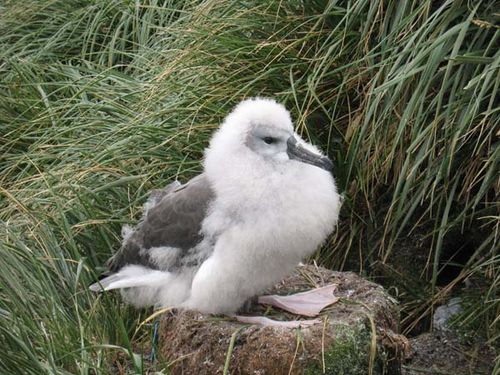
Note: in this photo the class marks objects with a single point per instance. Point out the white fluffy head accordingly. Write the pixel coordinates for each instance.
(257, 111)
(239, 142)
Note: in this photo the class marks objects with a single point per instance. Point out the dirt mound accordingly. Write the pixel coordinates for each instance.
(358, 334)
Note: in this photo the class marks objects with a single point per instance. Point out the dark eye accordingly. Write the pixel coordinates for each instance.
(269, 140)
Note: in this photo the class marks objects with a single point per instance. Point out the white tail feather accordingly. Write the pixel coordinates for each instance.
(131, 276)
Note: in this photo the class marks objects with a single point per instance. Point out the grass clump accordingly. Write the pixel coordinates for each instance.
(101, 101)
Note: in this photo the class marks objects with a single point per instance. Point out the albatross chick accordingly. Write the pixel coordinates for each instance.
(266, 200)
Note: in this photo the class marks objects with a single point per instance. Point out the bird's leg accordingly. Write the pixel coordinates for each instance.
(267, 322)
(308, 303)
(247, 306)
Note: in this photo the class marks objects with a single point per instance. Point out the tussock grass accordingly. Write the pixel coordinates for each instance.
(101, 101)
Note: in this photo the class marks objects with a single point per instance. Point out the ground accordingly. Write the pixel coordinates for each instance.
(444, 353)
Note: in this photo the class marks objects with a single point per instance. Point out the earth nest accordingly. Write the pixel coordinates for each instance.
(358, 334)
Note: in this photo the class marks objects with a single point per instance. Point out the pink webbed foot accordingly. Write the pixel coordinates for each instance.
(308, 303)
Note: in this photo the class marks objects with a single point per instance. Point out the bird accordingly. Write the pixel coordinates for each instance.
(265, 200)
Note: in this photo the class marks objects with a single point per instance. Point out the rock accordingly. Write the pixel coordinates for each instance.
(444, 313)
(358, 334)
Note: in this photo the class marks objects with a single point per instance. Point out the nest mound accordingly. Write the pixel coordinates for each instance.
(358, 334)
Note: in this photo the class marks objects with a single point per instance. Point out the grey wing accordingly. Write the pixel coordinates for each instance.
(156, 195)
(173, 220)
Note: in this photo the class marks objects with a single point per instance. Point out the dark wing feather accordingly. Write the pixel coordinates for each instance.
(174, 221)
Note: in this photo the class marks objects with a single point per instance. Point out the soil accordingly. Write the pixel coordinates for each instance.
(446, 353)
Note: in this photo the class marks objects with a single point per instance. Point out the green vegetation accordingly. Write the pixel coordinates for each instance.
(101, 101)
(349, 353)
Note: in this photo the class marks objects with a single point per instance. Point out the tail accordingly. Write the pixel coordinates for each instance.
(131, 276)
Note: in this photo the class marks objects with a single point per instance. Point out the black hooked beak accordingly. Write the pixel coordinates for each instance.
(297, 152)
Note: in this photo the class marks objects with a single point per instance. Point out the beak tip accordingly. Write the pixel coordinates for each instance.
(297, 152)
